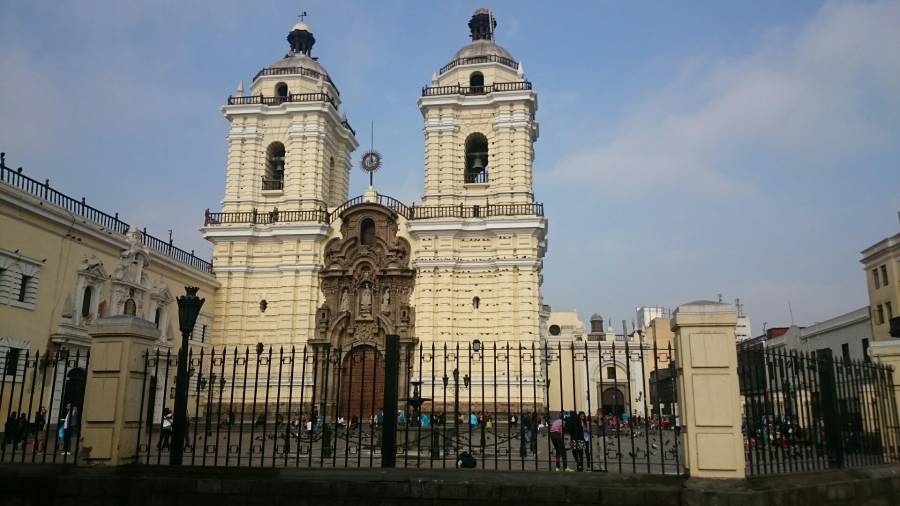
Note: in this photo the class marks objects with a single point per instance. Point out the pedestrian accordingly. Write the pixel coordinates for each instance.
(558, 440)
(70, 426)
(586, 428)
(165, 430)
(9, 429)
(40, 421)
(576, 439)
(21, 430)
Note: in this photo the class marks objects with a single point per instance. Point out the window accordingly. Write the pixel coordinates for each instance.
(879, 315)
(611, 373)
(203, 334)
(367, 232)
(890, 310)
(23, 287)
(865, 347)
(274, 178)
(476, 83)
(875, 278)
(845, 351)
(86, 302)
(554, 330)
(281, 90)
(476, 158)
(884, 279)
(476, 302)
(11, 364)
(157, 318)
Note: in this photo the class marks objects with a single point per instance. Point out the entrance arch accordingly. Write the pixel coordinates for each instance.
(613, 401)
(362, 383)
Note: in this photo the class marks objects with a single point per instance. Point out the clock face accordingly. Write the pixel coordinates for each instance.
(371, 161)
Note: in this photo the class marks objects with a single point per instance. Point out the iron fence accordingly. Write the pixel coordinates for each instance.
(808, 411)
(498, 402)
(42, 396)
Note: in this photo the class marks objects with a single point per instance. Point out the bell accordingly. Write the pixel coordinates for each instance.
(477, 165)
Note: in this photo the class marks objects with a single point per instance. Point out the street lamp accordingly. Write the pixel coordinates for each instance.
(188, 309)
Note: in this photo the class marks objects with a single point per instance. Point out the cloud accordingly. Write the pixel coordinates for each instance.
(808, 100)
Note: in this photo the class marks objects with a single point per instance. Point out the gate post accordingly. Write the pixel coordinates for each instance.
(112, 399)
(391, 391)
(887, 354)
(708, 391)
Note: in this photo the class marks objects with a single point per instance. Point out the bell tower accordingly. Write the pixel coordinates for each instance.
(480, 126)
(289, 144)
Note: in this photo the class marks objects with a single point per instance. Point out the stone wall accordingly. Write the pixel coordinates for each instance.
(148, 486)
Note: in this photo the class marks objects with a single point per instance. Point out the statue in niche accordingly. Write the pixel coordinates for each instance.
(365, 300)
(386, 302)
(345, 301)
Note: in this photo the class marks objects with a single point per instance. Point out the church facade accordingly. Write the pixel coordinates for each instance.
(300, 262)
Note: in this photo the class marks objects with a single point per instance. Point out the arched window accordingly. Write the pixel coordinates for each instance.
(281, 90)
(476, 83)
(86, 302)
(274, 178)
(130, 307)
(367, 232)
(476, 158)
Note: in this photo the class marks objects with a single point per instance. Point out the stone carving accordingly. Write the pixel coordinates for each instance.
(130, 281)
(364, 277)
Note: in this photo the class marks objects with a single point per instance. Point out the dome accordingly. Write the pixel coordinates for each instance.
(596, 316)
(482, 47)
(302, 27)
(300, 60)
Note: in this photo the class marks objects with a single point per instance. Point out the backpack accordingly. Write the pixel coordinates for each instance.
(464, 460)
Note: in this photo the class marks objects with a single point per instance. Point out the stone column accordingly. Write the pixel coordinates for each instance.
(708, 391)
(112, 400)
(888, 353)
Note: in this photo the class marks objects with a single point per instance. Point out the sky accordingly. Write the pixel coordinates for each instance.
(687, 149)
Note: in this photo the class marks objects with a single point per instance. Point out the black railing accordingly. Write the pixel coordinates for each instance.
(40, 388)
(256, 217)
(17, 180)
(431, 91)
(294, 97)
(461, 211)
(473, 60)
(303, 71)
(272, 184)
(476, 177)
(807, 411)
(317, 406)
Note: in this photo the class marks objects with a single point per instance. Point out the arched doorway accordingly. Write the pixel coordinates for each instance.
(362, 383)
(73, 389)
(613, 401)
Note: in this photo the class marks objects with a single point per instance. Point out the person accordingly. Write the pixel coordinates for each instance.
(165, 431)
(586, 428)
(9, 429)
(70, 426)
(21, 430)
(40, 421)
(576, 438)
(473, 421)
(558, 440)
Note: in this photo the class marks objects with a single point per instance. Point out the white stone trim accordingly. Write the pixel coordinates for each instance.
(479, 100)
(498, 223)
(247, 232)
(425, 263)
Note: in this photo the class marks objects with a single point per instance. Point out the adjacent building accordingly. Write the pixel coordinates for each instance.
(881, 262)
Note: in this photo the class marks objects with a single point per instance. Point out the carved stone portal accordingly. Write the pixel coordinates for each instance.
(367, 283)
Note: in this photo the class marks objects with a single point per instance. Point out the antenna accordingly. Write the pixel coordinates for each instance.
(739, 306)
(302, 15)
(791, 311)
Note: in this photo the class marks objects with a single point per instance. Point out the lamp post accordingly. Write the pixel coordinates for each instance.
(188, 309)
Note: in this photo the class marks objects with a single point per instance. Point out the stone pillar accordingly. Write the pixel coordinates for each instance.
(708, 390)
(888, 353)
(112, 400)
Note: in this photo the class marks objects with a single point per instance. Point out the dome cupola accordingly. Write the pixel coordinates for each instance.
(301, 39)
